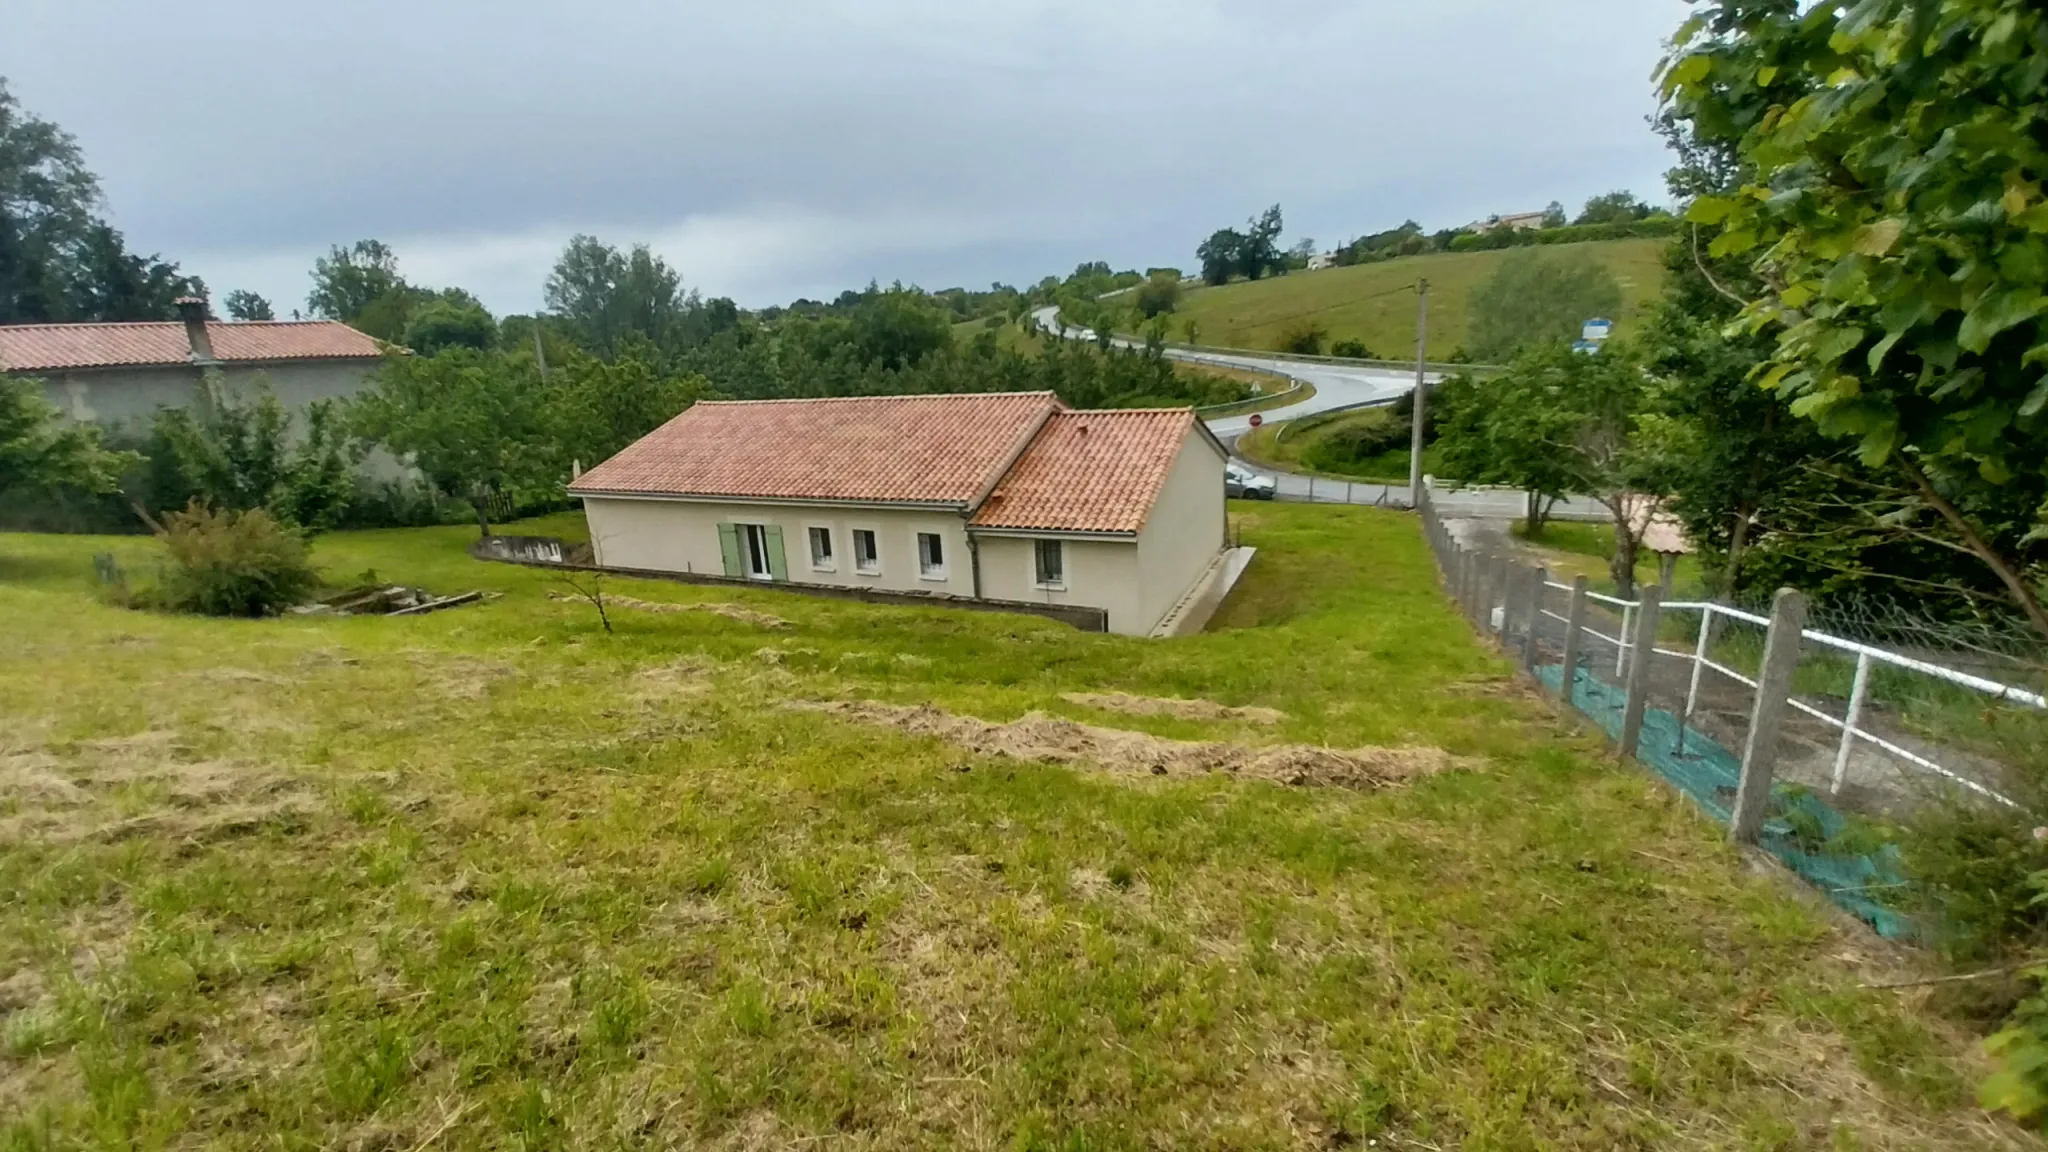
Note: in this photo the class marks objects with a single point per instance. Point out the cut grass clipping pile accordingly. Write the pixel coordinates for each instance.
(493, 878)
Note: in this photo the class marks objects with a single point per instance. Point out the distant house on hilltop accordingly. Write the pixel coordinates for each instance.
(1001, 497)
(1519, 221)
(119, 374)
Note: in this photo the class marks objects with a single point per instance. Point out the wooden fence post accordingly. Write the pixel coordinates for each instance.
(1640, 665)
(1773, 700)
(1574, 628)
(1539, 581)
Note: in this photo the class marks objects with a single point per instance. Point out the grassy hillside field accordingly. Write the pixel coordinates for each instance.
(1362, 302)
(492, 878)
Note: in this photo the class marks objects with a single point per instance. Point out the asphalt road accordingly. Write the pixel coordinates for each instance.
(1337, 385)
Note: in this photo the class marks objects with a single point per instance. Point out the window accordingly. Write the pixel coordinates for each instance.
(931, 556)
(1052, 564)
(821, 550)
(756, 540)
(866, 557)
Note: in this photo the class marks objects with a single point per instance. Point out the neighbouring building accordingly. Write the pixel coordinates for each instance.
(1003, 497)
(117, 375)
(1519, 221)
(1322, 260)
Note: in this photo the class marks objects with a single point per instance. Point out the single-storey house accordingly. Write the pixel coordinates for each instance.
(1002, 497)
(117, 375)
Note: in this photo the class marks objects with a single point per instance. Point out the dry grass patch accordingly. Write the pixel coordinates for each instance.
(663, 607)
(1172, 706)
(1051, 740)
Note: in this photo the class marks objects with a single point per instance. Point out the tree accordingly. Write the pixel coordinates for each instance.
(243, 304)
(42, 452)
(237, 454)
(1892, 212)
(1612, 208)
(1261, 252)
(898, 328)
(599, 407)
(59, 261)
(474, 423)
(1563, 423)
(348, 280)
(451, 320)
(1222, 255)
(1158, 295)
(610, 296)
(1536, 298)
(1553, 216)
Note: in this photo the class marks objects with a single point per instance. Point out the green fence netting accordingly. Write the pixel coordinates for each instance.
(1800, 824)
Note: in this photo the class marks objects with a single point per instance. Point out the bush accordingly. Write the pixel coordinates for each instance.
(233, 563)
(1354, 349)
(1158, 296)
(1303, 339)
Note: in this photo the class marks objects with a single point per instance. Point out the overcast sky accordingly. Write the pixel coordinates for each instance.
(785, 148)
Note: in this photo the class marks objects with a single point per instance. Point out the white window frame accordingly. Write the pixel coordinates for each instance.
(753, 546)
(1058, 584)
(873, 565)
(830, 562)
(936, 573)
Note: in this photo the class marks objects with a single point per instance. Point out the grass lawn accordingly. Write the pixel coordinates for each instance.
(1585, 549)
(492, 878)
(1360, 302)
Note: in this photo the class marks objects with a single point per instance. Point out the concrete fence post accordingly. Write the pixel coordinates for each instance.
(1640, 666)
(1539, 581)
(1574, 630)
(1773, 700)
(1504, 572)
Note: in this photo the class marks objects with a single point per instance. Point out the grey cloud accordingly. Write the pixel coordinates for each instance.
(243, 137)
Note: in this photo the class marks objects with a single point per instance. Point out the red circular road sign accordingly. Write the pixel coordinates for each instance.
(1257, 419)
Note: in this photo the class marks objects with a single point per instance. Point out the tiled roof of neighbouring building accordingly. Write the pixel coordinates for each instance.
(47, 347)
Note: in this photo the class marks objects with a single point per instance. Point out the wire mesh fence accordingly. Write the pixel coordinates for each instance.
(1800, 740)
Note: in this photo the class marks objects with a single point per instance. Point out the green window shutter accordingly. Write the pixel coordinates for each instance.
(778, 562)
(729, 549)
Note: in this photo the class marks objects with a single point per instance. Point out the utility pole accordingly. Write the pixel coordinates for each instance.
(1421, 395)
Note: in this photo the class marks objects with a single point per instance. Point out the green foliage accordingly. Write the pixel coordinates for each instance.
(474, 423)
(445, 323)
(1353, 349)
(1561, 423)
(348, 280)
(239, 454)
(1891, 202)
(1303, 338)
(1535, 299)
(1655, 225)
(1251, 253)
(1612, 208)
(1222, 254)
(59, 260)
(228, 563)
(1158, 295)
(41, 452)
(597, 407)
(611, 298)
(242, 304)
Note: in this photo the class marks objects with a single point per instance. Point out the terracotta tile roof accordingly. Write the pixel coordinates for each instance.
(1090, 472)
(888, 449)
(40, 347)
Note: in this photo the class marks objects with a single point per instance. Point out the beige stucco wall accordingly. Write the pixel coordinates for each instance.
(1185, 532)
(125, 399)
(680, 536)
(1136, 581)
(1099, 574)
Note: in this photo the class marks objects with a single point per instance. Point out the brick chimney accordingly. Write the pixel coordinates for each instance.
(192, 310)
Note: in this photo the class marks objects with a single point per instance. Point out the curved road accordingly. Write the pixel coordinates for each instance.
(1337, 385)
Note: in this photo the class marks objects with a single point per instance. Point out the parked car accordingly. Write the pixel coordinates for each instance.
(1241, 483)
